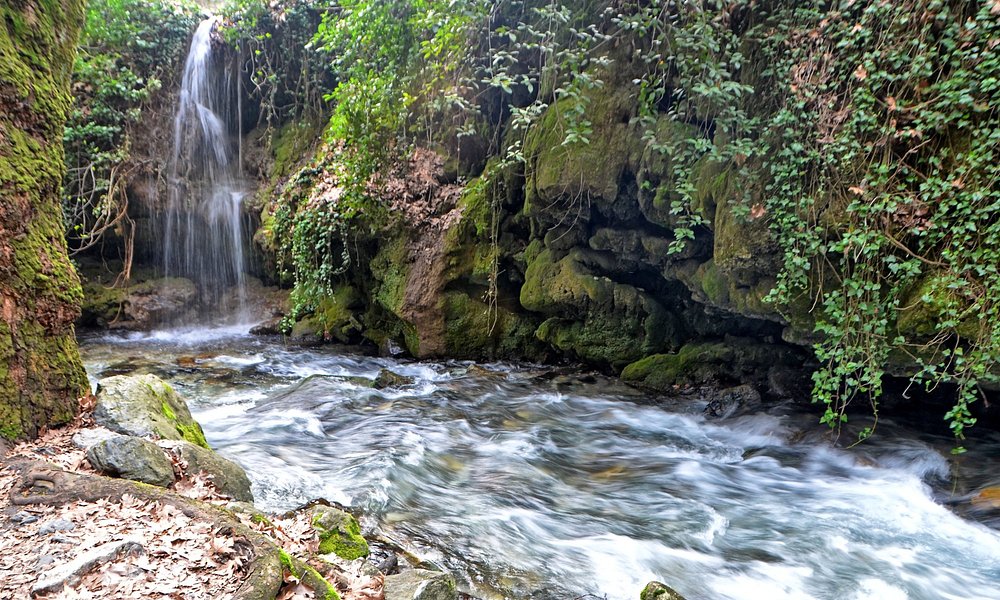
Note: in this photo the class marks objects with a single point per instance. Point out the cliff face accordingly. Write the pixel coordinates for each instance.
(41, 375)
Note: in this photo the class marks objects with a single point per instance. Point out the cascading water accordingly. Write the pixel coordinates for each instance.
(203, 229)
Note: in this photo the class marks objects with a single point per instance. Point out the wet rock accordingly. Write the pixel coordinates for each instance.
(228, 477)
(85, 439)
(145, 406)
(132, 458)
(420, 584)
(389, 379)
(269, 327)
(732, 401)
(655, 590)
(339, 533)
(56, 525)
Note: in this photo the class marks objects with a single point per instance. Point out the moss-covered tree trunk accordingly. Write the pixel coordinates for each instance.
(41, 375)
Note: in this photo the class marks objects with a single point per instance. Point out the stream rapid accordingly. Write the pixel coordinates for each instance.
(531, 483)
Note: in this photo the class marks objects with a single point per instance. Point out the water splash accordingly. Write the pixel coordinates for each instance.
(203, 230)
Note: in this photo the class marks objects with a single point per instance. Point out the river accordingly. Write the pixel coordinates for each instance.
(533, 483)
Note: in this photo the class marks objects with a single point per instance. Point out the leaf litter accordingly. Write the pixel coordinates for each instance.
(181, 558)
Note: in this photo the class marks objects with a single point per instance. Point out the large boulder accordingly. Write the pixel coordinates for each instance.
(339, 533)
(228, 477)
(132, 458)
(420, 584)
(145, 406)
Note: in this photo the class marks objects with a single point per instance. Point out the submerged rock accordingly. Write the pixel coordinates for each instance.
(388, 379)
(731, 402)
(420, 584)
(655, 590)
(228, 477)
(339, 533)
(145, 406)
(132, 458)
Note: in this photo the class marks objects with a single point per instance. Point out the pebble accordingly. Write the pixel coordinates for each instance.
(23, 518)
(57, 525)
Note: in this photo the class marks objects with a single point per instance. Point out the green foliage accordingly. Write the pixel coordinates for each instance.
(873, 144)
(126, 49)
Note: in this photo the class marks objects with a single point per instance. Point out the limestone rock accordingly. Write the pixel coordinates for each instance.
(655, 590)
(145, 406)
(132, 458)
(228, 477)
(339, 533)
(421, 584)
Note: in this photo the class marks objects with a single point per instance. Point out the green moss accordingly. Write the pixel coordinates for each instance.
(340, 534)
(473, 331)
(167, 411)
(735, 360)
(923, 307)
(193, 434)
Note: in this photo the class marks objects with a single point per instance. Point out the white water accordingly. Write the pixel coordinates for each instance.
(528, 487)
(202, 226)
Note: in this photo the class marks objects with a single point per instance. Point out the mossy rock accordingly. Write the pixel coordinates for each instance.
(474, 329)
(655, 590)
(735, 360)
(145, 406)
(593, 317)
(923, 305)
(564, 180)
(339, 533)
(308, 575)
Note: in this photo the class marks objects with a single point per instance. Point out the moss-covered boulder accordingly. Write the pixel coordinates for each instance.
(655, 590)
(41, 375)
(591, 316)
(132, 458)
(730, 361)
(145, 406)
(339, 533)
(228, 477)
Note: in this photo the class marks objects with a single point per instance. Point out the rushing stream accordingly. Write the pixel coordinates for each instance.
(529, 484)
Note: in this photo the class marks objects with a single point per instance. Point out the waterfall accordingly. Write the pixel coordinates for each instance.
(202, 228)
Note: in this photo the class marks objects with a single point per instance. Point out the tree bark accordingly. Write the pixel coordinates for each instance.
(41, 375)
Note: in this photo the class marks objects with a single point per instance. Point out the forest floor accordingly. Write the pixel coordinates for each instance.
(129, 546)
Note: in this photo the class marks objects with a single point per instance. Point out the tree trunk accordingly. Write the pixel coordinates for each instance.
(41, 375)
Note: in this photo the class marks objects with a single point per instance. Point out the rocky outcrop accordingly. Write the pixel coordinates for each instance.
(41, 375)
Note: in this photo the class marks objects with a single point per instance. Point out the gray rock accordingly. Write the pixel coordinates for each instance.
(132, 458)
(87, 438)
(228, 477)
(655, 590)
(22, 517)
(733, 401)
(387, 378)
(420, 584)
(145, 406)
(56, 525)
(339, 533)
